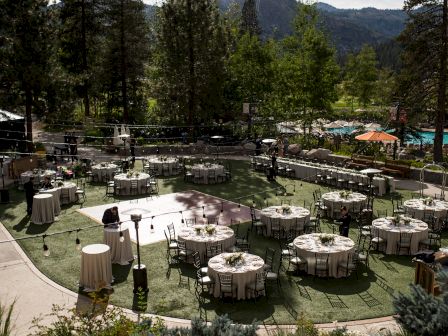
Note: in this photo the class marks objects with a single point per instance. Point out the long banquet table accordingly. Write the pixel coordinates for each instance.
(309, 170)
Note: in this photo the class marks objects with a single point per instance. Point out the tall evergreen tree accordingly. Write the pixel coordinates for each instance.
(191, 53)
(126, 54)
(80, 44)
(425, 62)
(361, 75)
(307, 72)
(249, 18)
(24, 52)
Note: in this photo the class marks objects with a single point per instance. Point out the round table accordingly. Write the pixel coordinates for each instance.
(297, 216)
(38, 177)
(64, 194)
(309, 245)
(202, 172)
(391, 233)
(334, 200)
(198, 242)
(120, 252)
(417, 209)
(165, 167)
(243, 274)
(96, 267)
(104, 171)
(124, 183)
(56, 192)
(43, 209)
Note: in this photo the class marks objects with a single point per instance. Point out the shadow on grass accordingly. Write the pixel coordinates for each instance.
(121, 272)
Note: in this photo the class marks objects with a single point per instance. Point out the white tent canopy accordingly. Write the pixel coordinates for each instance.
(372, 126)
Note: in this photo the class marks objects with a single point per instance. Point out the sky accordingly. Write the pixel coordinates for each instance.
(381, 4)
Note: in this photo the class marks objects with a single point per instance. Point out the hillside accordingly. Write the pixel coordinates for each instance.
(349, 29)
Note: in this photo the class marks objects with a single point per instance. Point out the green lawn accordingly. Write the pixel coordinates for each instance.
(323, 300)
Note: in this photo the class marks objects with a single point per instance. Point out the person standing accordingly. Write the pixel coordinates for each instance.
(258, 146)
(29, 194)
(344, 221)
(111, 217)
(285, 146)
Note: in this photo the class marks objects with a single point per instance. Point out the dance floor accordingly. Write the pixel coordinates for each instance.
(166, 209)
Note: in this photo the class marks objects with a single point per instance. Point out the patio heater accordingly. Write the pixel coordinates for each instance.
(370, 172)
(139, 271)
(216, 140)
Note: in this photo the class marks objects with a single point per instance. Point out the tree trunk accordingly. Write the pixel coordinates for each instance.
(124, 91)
(441, 99)
(191, 61)
(84, 59)
(29, 121)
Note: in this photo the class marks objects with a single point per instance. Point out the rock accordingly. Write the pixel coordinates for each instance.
(294, 149)
(249, 146)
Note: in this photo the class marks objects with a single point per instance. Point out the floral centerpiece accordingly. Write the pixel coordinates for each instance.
(396, 220)
(286, 209)
(198, 230)
(131, 174)
(102, 164)
(210, 229)
(234, 259)
(345, 194)
(60, 184)
(406, 220)
(327, 239)
(428, 201)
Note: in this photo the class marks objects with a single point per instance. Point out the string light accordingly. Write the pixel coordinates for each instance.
(78, 241)
(239, 207)
(45, 247)
(222, 209)
(152, 225)
(203, 211)
(253, 204)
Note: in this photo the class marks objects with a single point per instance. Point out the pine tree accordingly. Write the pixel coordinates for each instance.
(421, 313)
(249, 22)
(24, 53)
(126, 55)
(425, 62)
(191, 53)
(361, 75)
(80, 44)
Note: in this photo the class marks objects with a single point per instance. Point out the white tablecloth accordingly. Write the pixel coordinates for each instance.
(298, 215)
(309, 170)
(198, 242)
(354, 202)
(120, 252)
(38, 177)
(124, 183)
(243, 274)
(391, 233)
(204, 170)
(416, 208)
(96, 267)
(100, 172)
(43, 209)
(308, 245)
(158, 164)
(68, 188)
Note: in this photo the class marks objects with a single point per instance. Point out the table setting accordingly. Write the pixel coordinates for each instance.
(310, 170)
(337, 247)
(419, 207)
(289, 217)
(104, 171)
(353, 201)
(124, 181)
(198, 236)
(243, 266)
(203, 172)
(389, 228)
(165, 166)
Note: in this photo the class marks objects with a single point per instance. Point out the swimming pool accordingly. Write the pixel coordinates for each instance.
(427, 136)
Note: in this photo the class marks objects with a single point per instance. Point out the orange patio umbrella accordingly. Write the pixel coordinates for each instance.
(376, 136)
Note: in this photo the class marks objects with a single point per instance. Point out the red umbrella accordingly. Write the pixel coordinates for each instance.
(376, 136)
